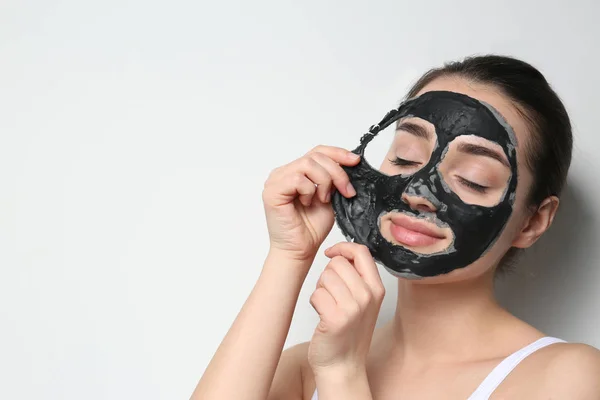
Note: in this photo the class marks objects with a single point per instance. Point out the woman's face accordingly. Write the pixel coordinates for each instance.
(477, 176)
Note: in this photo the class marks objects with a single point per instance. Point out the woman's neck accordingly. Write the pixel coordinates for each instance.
(447, 322)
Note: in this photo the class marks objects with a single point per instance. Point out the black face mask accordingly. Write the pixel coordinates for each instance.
(475, 227)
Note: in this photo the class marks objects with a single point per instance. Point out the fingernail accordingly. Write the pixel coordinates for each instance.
(350, 190)
(353, 156)
(327, 197)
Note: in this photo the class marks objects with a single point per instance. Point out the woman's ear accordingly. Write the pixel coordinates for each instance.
(537, 223)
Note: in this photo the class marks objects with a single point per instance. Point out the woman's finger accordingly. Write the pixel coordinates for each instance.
(303, 187)
(360, 256)
(323, 303)
(332, 282)
(338, 175)
(337, 154)
(355, 283)
(285, 184)
(317, 174)
(303, 178)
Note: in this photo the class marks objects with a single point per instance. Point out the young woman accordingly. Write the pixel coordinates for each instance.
(449, 338)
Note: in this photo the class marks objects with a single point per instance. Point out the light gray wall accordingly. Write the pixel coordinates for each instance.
(135, 137)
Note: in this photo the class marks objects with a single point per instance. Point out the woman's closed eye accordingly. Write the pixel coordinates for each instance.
(472, 185)
(404, 162)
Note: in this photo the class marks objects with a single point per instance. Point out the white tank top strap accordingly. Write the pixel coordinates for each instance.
(498, 374)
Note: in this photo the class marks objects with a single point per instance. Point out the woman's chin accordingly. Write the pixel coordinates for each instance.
(472, 271)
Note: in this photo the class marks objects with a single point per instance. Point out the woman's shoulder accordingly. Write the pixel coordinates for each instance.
(573, 353)
(561, 371)
(570, 360)
(576, 364)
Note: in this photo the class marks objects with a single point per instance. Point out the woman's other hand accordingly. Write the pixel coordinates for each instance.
(348, 297)
(296, 197)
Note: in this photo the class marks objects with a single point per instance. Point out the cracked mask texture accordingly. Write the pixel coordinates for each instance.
(475, 227)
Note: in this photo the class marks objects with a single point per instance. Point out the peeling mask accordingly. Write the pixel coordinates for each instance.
(473, 227)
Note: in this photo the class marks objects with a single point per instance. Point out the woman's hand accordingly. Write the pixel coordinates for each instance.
(296, 198)
(348, 297)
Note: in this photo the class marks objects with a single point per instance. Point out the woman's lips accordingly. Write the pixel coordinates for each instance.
(414, 233)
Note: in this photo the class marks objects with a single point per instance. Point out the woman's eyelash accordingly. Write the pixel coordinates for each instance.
(472, 185)
(404, 163)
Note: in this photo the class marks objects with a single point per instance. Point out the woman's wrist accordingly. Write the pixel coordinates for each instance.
(343, 381)
(283, 273)
(282, 259)
(339, 372)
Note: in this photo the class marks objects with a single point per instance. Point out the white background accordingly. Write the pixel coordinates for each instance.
(135, 137)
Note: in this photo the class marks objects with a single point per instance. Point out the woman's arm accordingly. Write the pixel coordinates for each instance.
(244, 364)
(296, 198)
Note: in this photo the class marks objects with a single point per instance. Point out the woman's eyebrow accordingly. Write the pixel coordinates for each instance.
(477, 150)
(414, 129)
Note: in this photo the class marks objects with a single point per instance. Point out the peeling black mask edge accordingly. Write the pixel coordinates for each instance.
(475, 228)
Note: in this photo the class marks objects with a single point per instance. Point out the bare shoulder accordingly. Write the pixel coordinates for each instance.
(290, 377)
(573, 371)
(560, 371)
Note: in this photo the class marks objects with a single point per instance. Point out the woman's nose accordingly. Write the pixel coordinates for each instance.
(418, 203)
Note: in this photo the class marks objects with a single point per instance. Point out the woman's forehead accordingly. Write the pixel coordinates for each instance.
(487, 94)
(407, 124)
